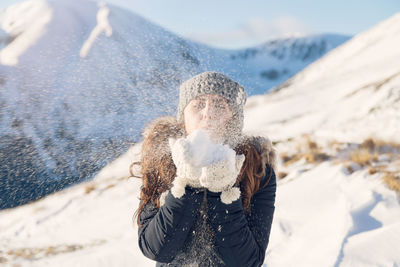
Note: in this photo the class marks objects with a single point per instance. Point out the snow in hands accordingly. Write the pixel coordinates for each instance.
(201, 162)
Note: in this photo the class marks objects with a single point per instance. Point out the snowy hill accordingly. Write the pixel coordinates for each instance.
(336, 125)
(333, 207)
(79, 79)
(344, 219)
(351, 94)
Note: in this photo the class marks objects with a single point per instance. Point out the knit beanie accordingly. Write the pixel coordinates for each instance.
(222, 85)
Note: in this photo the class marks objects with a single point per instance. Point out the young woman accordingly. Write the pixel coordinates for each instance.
(208, 191)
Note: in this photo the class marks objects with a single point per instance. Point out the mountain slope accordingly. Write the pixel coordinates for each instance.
(324, 209)
(272, 63)
(73, 97)
(350, 94)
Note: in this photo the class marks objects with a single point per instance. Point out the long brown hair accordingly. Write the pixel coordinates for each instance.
(158, 169)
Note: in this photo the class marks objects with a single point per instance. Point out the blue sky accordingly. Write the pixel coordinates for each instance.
(236, 24)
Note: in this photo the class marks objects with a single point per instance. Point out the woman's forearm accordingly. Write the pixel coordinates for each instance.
(164, 230)
(242, 240)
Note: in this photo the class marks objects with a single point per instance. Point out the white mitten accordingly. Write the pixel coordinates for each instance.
(186, 172)
(221, 176)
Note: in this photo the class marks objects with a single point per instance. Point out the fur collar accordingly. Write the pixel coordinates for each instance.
(158, 131)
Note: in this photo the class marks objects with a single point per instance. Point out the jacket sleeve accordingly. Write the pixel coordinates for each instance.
(242, 240)
(163, 231)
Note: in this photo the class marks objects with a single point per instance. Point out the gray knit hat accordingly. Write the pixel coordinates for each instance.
(215, 83)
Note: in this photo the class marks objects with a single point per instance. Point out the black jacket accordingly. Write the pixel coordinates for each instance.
(240, 239)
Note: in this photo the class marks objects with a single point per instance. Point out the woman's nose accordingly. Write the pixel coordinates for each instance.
(208, 111)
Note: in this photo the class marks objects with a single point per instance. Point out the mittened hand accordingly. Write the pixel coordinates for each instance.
(182, 156)
(221, 176)
(214, 166)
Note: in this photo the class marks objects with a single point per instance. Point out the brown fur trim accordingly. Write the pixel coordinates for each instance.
(265, 149)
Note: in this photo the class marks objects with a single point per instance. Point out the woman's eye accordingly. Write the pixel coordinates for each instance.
(199, 105)
(220, 105)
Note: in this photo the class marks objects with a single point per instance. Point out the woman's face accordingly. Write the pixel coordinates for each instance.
(208, 112)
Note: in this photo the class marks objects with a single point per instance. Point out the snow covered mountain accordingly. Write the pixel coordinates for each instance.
(351, 94)
(263, 67)
(79, 79)
(332, 208)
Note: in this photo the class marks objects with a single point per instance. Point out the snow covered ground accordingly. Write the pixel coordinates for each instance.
(325, 216)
